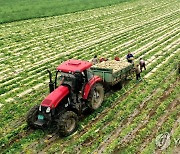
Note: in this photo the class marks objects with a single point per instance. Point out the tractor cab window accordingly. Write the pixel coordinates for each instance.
(64, 78)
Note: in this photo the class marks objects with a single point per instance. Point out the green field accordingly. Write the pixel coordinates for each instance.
(14, 10)
(129, 119)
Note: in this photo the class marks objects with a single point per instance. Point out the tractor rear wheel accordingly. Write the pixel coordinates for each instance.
(67, 123)
(32, 116)
(96, 96)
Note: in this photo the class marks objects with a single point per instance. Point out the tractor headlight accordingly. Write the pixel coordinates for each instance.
(48, 110)
(40, 108)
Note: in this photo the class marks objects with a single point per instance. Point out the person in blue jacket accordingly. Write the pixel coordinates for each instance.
(130, 57)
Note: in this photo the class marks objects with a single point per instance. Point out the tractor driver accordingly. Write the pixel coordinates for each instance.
(78, 82)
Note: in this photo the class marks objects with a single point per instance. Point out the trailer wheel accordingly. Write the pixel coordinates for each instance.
(118, 85)
(67, 123)
(96, 96)
(32, 116)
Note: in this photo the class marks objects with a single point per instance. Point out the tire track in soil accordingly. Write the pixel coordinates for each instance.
(127, 121)
(131, 135)
(16, 138)
(176, 124)
(124, 123)
(176, 149)
(161, 99)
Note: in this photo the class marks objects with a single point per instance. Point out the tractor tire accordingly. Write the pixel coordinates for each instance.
(32, 116)
(96, 96)
(67, 123)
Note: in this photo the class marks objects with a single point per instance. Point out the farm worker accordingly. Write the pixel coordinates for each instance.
(78, 83)
(95, 60)
(130, 57)
(142, 64)
(102, 59)
(137, 71)
(117, 58)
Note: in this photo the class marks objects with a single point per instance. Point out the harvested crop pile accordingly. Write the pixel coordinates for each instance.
(113, 64)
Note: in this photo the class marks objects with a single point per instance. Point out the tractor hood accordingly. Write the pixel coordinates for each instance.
(53, 99)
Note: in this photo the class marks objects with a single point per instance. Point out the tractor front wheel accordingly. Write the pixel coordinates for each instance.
(67, 123)
(96, 96)
(32, 116)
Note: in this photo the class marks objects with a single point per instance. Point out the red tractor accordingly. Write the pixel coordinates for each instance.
(75, 89)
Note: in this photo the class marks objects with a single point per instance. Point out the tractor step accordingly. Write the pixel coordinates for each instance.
(39, 123)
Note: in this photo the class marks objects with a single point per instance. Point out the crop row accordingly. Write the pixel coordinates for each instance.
(25, 81)
(27, 65)
(49, 24)
(10, 108)
(37, 48)
(151, 119)
(53, 36)
(154, 40)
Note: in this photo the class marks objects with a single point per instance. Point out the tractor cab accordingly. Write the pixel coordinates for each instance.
(71, 66)
(71, 73)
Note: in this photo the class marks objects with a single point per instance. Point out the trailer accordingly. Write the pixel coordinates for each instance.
(112, 72)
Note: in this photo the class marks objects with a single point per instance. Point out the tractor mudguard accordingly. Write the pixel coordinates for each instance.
(53, 99)
(89, 85)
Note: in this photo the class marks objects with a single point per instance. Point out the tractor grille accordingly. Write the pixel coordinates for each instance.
(43, 112)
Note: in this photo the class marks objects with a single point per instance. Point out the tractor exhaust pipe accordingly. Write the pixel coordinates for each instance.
(51, 84)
